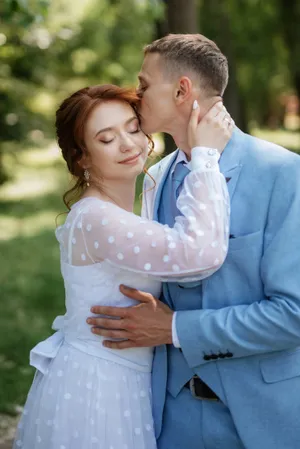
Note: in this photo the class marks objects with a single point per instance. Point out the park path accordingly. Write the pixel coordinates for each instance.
(7, 429)
(6, 445)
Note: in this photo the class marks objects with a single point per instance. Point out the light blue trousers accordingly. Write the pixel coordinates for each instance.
(189, 423)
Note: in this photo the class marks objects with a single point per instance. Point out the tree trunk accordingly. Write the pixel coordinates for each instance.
(3, 175)
(181, 16)
(290, 17)
(215, 14)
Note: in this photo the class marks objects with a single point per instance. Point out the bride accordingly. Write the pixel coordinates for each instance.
(85, 395)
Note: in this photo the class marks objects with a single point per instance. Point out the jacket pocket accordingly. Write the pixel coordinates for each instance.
(245, 241)
(281, 367)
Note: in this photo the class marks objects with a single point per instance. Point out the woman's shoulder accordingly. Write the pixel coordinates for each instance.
(94, 210)
(90, 206)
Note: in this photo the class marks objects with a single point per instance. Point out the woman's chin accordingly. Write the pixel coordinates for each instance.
(132, 171)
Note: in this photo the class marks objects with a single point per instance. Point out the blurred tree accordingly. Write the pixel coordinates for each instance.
(250, 34)
(15, 16)
(23, 12)
(180, 16)
(48, 52)
(51, 48)
(290, 13)
(215, 22)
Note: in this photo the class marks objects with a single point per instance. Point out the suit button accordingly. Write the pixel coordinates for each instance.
(214, 356)
(229, 354)
(222, 355)
(206, 357)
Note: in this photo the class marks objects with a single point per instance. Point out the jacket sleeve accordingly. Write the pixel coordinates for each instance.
(270, 323)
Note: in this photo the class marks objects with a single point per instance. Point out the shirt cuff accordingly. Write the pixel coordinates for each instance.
(174, 332)
(205, 159)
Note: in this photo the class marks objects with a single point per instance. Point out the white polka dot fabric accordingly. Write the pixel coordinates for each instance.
(86, 402)
(194, 248)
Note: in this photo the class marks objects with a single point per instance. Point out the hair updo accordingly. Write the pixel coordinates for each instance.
(71, 118)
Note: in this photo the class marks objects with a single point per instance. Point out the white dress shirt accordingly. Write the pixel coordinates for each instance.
(181, 156)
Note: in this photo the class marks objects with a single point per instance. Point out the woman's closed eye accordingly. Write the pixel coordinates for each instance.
(106, 141)
(107, 137)
(134, 127)
(136, 130)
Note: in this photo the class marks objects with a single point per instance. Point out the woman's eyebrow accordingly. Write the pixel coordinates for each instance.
(109, 128)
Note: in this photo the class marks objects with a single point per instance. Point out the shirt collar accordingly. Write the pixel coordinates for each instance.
(181, 157)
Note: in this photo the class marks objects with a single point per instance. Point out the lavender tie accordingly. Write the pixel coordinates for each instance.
(180, 172)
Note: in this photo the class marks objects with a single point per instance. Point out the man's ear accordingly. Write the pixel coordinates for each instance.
(183, 89)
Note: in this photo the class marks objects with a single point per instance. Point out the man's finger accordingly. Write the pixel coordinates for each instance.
(138, 295)
(214, 110)
(194, 117)
(221, 116)
(120, 312)
(110, 333)
(105, 323)
(119, 344)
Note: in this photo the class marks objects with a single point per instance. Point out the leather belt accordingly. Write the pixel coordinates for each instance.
(200, 390)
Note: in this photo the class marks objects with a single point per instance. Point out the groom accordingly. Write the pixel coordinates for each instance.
(226, 372)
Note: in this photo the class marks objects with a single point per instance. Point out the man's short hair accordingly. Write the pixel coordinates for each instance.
(193, 52)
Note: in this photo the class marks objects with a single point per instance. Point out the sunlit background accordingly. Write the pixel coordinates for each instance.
(49, 49)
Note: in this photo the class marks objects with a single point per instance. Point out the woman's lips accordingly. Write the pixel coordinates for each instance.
(131, 160)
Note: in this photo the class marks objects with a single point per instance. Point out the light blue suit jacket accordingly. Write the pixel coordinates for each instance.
(251, 306)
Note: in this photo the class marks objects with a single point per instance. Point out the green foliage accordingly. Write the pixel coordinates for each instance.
(50, 49)
(250, 33)
(23, 12)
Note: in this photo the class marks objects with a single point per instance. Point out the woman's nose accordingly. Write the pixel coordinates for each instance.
(126, 144)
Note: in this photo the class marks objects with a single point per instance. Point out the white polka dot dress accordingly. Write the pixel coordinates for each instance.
(86, 396)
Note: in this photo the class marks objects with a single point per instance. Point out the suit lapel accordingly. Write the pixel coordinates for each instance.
(231, 160)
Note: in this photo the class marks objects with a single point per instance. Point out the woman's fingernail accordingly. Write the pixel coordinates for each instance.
(195, 104)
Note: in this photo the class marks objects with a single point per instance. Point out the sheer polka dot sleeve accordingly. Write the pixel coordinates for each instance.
(194, 248)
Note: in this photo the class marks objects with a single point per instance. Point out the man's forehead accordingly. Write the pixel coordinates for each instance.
(150, 66)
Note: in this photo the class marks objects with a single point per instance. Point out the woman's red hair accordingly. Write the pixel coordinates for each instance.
(71, 118)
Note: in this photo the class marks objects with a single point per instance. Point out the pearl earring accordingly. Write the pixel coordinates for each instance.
(86, 175)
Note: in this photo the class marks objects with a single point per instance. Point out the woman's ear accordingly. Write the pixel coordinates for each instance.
(84, 162)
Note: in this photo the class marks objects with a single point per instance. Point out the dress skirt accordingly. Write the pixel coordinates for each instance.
(87, 402)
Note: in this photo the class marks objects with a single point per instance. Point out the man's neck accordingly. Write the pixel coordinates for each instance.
(179, 133)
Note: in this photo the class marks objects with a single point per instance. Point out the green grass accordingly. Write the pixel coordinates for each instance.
(31, 286)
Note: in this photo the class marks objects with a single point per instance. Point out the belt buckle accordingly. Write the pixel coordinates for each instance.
(193, 389)
(194, 394)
